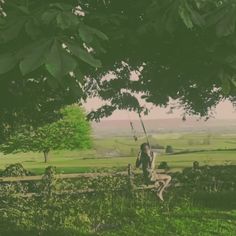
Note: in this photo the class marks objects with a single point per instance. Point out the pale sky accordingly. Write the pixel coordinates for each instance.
(224, 110)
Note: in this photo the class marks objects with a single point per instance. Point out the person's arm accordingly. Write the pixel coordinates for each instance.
(153, 158)
(138, 160)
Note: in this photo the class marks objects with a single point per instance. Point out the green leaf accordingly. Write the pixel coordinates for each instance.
(12, 29)
(78, 74)
(3, 22)
(32, 29)
(49, 16)
(233, 80)
(59, 62)
(83, 55)
(61, 6)
(7, 62)
(196, 17)
(231, 61)
(66, 20)
(185, 16)
(169, 17)
(52, 82)
(225, 84)
(35, 57)
(213, 17)
(75, 87)
(226, 25)
(87, 33)
(99, 34)
(24, 9)
(189, 15)
(62, 21)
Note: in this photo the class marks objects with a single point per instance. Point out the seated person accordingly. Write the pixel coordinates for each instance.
(146, 159)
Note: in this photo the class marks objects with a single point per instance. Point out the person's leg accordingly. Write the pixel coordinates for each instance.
(165, 180)
(146, 178)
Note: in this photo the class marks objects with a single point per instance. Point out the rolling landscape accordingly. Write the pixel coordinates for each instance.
(159, 126)
(212, 142)
(160, 76)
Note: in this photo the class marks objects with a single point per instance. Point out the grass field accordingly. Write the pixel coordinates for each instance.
(183, 213)
(212, 149)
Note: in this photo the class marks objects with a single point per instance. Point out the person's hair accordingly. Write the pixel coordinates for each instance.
(144, 145)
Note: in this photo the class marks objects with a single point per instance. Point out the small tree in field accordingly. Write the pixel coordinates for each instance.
(72, 131)
(169, 149)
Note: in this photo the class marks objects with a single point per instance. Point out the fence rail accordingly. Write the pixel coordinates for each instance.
(129, 172)
(60, 176)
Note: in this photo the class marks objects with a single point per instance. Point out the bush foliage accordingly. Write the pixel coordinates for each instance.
(57, 207)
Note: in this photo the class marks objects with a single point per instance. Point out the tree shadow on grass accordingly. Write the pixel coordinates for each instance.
(216, 200)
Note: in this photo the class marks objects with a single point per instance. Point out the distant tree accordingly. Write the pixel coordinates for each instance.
(169, 149)
(72, 131)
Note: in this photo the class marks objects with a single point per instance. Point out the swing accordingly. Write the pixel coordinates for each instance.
(161, 181)
(133, 131)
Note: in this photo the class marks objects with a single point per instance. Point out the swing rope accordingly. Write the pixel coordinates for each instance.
(144, 129)
(132, 129)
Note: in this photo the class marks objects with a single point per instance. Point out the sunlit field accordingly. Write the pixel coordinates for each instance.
(117, 152)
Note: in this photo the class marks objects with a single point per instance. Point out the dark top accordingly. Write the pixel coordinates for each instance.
(146, 162)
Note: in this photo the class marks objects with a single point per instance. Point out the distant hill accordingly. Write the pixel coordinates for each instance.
(122, 127)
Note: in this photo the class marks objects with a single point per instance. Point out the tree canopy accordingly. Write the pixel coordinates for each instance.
(70, 132)
(44, 48)
(181, 49)
(54, 53)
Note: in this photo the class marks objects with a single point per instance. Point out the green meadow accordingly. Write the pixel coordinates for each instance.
(118, 152)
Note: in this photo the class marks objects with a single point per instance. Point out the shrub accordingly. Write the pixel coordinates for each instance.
(15, 170)
(208, 178)
(163, 165)
(59, 209)
(169, 149)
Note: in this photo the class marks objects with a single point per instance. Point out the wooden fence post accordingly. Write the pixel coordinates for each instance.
(129, 169)
(130, 177)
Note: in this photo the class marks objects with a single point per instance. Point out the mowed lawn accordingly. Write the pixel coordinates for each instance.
(214, 149)
(73, 163)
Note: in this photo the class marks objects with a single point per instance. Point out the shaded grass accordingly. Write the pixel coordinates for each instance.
(216, 200)
(181, 222)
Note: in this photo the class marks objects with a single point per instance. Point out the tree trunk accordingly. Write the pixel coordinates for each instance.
(45, 153)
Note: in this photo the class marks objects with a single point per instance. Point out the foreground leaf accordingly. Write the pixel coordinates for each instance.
(59, 62)
(7, 62)
(83, 55)
(35, 58)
